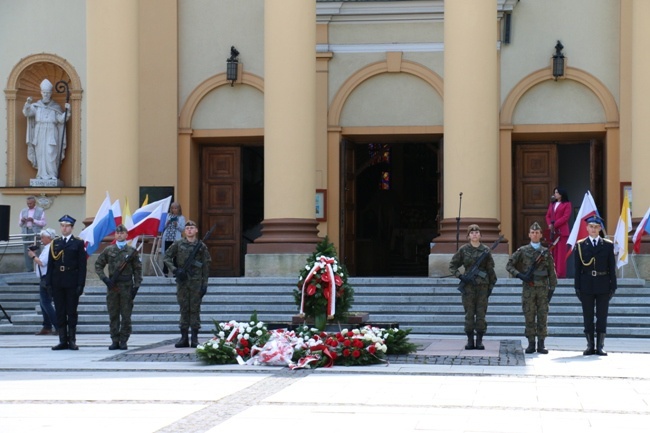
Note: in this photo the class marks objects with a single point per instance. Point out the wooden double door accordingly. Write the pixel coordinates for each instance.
(540, 167)
(232, 188)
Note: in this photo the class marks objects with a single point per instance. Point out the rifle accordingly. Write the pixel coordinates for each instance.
(529, 272)
(184, 273)
(5, 313)
(474, 271)
(119, 271)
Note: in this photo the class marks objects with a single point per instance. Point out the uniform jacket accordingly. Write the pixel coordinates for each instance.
(199, 270)
(466, 256)
(67, 264)
(595, 267)
(113, 256)
(544, 273)
(559, 217)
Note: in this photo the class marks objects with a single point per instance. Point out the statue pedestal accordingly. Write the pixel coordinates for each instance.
(56, 183)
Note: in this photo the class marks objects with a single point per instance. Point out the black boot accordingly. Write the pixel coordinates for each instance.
(531, 345)
(590, 344)
(63, 339)
(600, 345)
(479, 341)
(195, 337)
(72, 339)
(470, 341)
(123, 345)
(184, 341)
(114, 345)
(540, 346)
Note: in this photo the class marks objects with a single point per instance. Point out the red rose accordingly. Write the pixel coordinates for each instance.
(246, 350)
(350, 334)
(356, 354)
(372, 349)
(358, 344)
(311, 290)
(346, 352)
(338, 281)
(347, 343)
(243, 342)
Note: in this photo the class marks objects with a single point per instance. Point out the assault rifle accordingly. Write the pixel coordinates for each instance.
(474, 271)
(528, 275)
(113, 280)
(183, 274)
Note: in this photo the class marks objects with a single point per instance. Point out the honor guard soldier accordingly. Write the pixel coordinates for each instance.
(533, 265)
(193, 260)
(595, 283)
(123, 282)
(66, 277)
(477, 288)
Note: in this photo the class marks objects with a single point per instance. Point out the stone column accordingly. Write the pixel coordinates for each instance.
(112, 101)
(471, 125)
(289, 225)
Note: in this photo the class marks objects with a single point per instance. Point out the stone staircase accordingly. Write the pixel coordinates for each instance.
(427, 305)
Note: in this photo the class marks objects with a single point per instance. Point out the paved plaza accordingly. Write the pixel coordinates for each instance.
(154, 387)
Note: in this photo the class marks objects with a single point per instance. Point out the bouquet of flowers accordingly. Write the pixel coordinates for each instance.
(323, 289)
(397, 341)
(235, 340)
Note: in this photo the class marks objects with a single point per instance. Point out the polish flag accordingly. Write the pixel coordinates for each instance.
(146, 210)
(148, 225)
(641, 229)
(579, 230)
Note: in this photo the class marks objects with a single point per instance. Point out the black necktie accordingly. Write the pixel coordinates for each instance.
(595, 242)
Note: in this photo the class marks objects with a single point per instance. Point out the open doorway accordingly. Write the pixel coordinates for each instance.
(392, 196)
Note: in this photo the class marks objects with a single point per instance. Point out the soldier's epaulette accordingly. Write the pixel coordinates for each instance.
(607, 240)
(582, 240)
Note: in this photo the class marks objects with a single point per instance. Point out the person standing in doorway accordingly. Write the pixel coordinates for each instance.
(174, 227)
(595, 283)
(189, 260)
(557, 219)
(533, 265)
(31, 222)
(66, 277)
(478, 289)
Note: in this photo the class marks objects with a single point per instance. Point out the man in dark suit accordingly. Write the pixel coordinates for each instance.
(595, 283)
(66, 276)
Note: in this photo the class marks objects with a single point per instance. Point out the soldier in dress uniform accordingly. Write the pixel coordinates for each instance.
(66, 277)
(193, 260)
(478, 290)
(533, 265)
(125, 271)
(595, 283)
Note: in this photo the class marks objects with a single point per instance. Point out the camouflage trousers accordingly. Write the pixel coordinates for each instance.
(188, 294)
(534, 303)
(475, 303)
(120, 307)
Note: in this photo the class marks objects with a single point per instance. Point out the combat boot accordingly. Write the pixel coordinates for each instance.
(470, 341)
(63, 340)
(72, 339)
(590, 350)
(115, 345)
(195, 337)
(184, 341)
(540, 346)
(600, 344)
(123, 345)
(531, 345)
(479, 341)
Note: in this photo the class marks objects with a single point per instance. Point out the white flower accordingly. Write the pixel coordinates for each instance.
(249, 329)
(356, 331)
(307, 267)
(344, 331)
(247, 336)
(260, 324)
(222, 334)
(200, 347)
(252, 323)
(259, 333)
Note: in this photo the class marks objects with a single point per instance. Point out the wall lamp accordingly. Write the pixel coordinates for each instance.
(558, 61)
(232, 66)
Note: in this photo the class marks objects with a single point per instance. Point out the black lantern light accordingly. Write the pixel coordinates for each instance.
(232, 66)
(558, 61)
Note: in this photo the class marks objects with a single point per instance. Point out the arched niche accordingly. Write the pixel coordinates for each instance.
(24, 81)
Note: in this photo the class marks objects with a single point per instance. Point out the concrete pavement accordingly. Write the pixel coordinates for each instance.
(97, 390)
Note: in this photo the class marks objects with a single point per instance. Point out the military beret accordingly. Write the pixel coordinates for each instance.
(473, 228)
(595, 219)
(190, 223)
(121, 229)
(67, 219)
(535, 226)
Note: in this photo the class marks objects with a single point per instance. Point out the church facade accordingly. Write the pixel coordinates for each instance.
(388, 126)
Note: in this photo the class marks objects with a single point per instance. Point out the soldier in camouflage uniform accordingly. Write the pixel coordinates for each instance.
(538, 286)
(191, 281)
(477, 290)
(125, 271)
